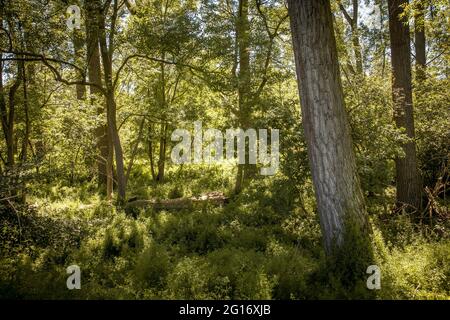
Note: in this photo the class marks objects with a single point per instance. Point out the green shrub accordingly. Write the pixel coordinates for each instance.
(152, 267)
(290, 269)
(238, 274)
(418, 271)
(191, 232)
(189, 280)
(123, 235)
(176, 192)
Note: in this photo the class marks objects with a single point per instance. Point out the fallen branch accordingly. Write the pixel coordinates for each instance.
(213, 198)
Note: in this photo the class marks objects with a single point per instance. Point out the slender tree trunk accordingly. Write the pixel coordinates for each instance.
(340, 202)
(10, 143)
(135, 149)
(353, 23)
(109, 163)
(243, 42)
(26, 137)
(27, 117)
(163, 102)
(382, 38)
(408, 180)
(104, 163)
(420, 41)
(3, 112)
(357, 50)
(106, 52)
(78, 43)
(8, 113)
(355, 39)
(162, 153)
(117, 147)
(150, 152)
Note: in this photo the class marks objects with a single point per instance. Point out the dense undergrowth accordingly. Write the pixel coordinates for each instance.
(264, 244)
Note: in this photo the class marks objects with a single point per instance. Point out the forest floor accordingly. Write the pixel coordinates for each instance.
(263, 244)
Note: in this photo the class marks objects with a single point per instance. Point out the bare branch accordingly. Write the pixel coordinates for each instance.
(346, 15)
(30, 56)
(142, 56)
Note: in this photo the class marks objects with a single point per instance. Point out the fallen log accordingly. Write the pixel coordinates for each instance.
(213, 198)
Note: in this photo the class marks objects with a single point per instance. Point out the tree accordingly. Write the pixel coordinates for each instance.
(8, 111)
(338, 193)
(167, 31)
(407, 175)
(244, 111)
(352, 20)
(104, 161)
(107, 48)
(78, 43)
(420, 40)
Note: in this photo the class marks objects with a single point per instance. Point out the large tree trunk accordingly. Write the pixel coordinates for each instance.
(408, 180)
(339, 197)
(243, 42)
(420, 41)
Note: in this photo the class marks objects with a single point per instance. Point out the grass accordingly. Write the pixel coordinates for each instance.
(262, 245)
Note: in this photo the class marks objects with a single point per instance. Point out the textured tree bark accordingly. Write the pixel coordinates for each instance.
(407, 175)
(420, 41)
(338, 193)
